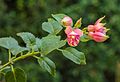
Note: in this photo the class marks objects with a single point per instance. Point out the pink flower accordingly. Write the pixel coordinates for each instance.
(98, 36)
(67, 21)
(97, 26)
(73, 35)
(97, 32)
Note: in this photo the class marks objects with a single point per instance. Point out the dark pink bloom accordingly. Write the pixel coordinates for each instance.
(73, 35)
(67, 21)
(97, 31)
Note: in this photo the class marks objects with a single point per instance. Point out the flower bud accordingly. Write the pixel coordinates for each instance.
(67, 21)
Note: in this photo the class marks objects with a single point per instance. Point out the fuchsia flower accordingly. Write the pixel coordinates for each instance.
(97, 32)
(73, 35)
(98, 36)
(67, 21)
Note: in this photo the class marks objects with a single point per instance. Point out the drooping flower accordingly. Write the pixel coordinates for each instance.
(98, 36)
(97, 32)
(73, 35)
(67, 21)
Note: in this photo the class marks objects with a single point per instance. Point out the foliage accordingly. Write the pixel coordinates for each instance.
(27, 15)
(34, 47)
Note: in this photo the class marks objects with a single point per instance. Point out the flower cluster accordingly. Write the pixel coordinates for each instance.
(96, 32)
(73, 34)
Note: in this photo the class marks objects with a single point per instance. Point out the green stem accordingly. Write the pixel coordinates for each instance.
(19, 58)
(60, 50)
(13, 71)
(36, 57)
(9, 55)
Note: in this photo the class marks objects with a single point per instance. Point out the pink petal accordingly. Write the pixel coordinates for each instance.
(73, 39)
(102, 30)
(68, 30)
(99, 34)
(97, 27)
(78, 31)
(99, 37)
(90, 27)
(90, 34)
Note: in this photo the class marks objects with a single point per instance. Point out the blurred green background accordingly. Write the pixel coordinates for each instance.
(103, 59)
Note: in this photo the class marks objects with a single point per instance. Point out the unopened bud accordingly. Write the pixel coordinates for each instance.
(67, 21)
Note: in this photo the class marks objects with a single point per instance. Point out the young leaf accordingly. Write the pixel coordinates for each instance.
(50, 43)
(74, 55)
(28, 38)
(52, 27)
(78, 23)
(47, 64)
(58, 17)
(17, 76)
(8, 42)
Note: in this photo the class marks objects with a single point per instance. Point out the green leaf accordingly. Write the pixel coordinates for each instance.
(50, 43)
(52, 27)
(47, 64)
(11, 44)
(17, 76)
(78, 23)
(38, 44)
(58, 17)
(50, 19)
(17, 50)
(46, 26)
(84, 38)
(74, 55)
(56, 26)
(8, 42)
(28, 38)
